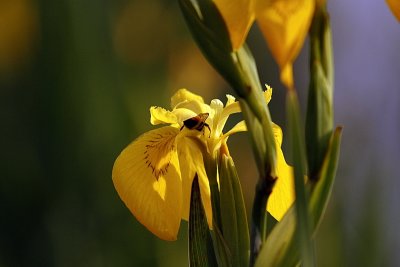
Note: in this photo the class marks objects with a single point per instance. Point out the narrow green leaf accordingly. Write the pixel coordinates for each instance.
(224, 257)
(233, 213)
(303, 233)
(323, 189)
(271, 222)
(280, 246)
(201, 251)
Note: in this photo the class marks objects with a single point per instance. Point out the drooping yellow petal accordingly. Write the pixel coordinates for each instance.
(238, 16)
(188, 171)
(191, 163)
(159, 115)
(283, 194)
(285, 25)
(205, 192)
(147, 177)
(394, 5)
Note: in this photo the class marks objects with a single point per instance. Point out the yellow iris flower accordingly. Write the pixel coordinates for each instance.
(284, 24)
(394, 5)
(153, 175)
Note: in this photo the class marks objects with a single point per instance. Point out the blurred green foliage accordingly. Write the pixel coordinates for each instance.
(65, 118)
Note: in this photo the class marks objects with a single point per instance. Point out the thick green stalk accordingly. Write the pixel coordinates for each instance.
(319, 121)
(256, 114)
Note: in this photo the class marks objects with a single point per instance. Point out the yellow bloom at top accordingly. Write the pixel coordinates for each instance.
(284, 24)
(153, 175)
(394, 5)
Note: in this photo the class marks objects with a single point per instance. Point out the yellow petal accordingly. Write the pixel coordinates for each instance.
(186, 103)
(287, 75)
(277, 134)
(191, 162)
(239, 127)
(283, 195)
(230, 108)
(268, 93)
(160, 115)
(188, 171)
(183, 95)
(194, 107)
(183, 114)
(146, 176)
(238, 16)
(394, 5)
(234, 107)
(230, 99)
(285, 25)
(205, 193)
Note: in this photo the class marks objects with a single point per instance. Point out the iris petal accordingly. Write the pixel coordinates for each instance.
(285, 25)
(268, 93)
(239, 127)
(282, 196)
(183, 114)
(195, 107)
(238, 16)
(191, 161)
(394, 5)
(188, 171)
(147, 178)
(184, 95)
(159, 115)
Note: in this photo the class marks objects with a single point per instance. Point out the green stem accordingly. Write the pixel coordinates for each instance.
(259, 216)
(319, 121)
(299, 161)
